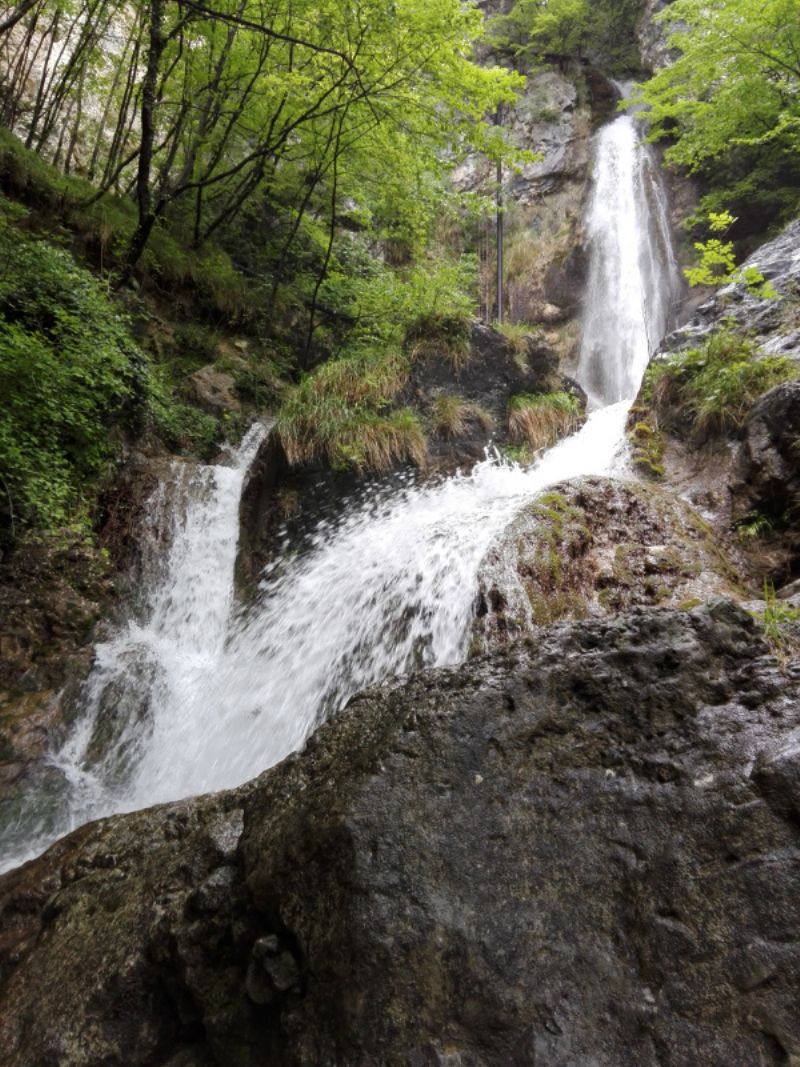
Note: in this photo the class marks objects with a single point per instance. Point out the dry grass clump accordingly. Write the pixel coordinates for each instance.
(338, 414)
(451, 415)
(378, 442)
(541, 420)
(517, 334)
(436, 334)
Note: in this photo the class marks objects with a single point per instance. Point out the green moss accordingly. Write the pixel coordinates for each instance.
(550, 607)
(647, 444)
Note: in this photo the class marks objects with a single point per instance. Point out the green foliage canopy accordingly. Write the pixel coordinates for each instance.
(730, 101)
(208, 108)
(602, 30)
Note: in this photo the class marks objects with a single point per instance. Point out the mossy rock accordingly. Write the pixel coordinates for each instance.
(597, 547)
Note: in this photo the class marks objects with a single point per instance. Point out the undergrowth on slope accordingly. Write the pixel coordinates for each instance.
(540, 420)
(69, 373)
(716, 383)
(439, 334)
(104, 228)
(74, 385)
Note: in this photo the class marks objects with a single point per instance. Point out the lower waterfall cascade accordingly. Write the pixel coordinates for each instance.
(195, 694)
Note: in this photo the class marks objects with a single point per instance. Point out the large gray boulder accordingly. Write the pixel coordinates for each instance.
(581, 852)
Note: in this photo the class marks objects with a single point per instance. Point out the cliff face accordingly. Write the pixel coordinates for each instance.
(580, 850)
(747, 473)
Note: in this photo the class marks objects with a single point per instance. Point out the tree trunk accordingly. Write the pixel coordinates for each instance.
(147, 116)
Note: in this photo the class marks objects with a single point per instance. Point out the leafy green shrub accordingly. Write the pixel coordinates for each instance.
(384, 306)
(69, 375)
(716, 263)
(339, 414)
(441, 286)
(716, 384)
(540, 420)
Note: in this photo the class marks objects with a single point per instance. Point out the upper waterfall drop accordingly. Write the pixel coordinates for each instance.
(634, 282)
(196, 694)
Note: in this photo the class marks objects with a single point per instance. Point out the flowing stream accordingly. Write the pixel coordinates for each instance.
(193, 695)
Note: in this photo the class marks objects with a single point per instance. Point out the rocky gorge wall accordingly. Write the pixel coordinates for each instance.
(579, 848)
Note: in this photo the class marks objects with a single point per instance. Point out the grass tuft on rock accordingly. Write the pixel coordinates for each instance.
(781, 625)
(438, 334)
(716, 384)
(542, 419)
(451, 415)
(339, 415)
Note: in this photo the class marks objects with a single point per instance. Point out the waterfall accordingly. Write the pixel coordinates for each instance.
(193, 695)
(633, 281)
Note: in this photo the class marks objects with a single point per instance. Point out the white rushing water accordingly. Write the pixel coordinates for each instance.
(191, 696)
(634, 280)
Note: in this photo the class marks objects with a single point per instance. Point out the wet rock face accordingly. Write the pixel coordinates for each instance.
(583, 851)
(594, 547)
(215, 390)
(652, 36)
(767, 476)
(774, 324)
(751, 475)
(52, 592)
(494, 374)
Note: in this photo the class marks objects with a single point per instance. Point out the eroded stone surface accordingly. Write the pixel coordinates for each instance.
(582, 851)
(594, 547)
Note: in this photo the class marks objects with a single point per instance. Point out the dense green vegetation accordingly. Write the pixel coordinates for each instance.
(714, 385)
(273, 170)
(729, 104)
(280, 172)
(69, 375)
(603, 31)
(75, 385)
